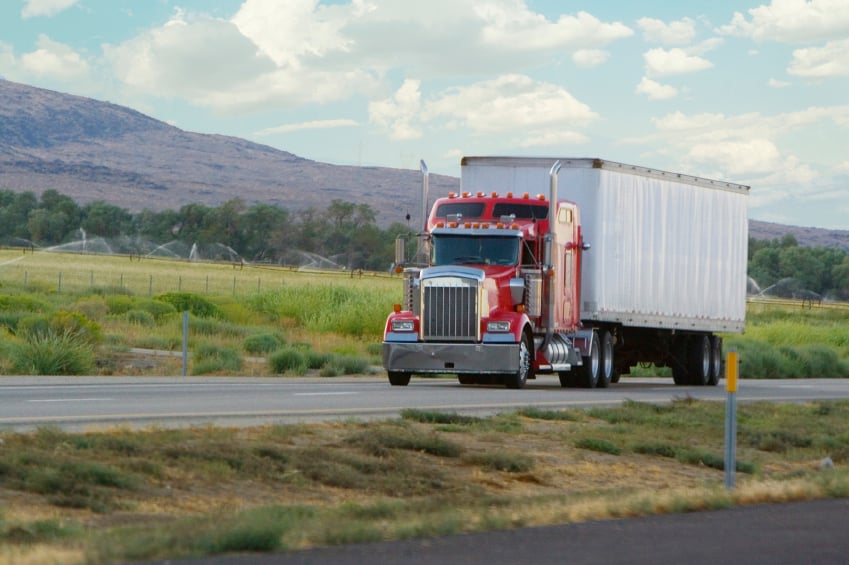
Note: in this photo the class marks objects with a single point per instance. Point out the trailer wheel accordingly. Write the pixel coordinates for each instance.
(520, 378)
(700, 360)
(588, 373)
(605, 376)
(399, 379)
(715, 360)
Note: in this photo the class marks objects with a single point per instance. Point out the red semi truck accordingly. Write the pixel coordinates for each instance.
(615, 266)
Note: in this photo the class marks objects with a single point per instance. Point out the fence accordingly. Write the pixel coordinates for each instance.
(74, 273)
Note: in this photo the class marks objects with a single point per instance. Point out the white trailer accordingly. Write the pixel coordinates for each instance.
(667, 263)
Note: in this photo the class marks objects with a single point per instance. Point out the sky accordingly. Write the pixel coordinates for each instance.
(751, 92)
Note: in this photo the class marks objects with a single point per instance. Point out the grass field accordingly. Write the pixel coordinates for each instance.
(120, 495)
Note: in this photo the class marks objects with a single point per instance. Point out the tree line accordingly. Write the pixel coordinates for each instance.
(782, 267)
(345, 232)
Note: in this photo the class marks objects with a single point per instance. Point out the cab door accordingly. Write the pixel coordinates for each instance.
(567, 278)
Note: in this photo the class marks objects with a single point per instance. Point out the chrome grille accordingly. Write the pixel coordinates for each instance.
(450, 309)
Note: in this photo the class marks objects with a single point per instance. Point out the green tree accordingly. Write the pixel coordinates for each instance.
(106, 220)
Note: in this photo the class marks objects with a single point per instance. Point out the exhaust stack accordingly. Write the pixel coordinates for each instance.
(549, 254)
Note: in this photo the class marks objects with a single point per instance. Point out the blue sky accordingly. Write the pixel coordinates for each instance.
(752, 92)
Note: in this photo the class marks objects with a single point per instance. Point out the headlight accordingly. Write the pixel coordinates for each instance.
(403, 326)
(498, 327)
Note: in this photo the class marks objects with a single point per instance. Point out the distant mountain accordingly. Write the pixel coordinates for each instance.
(92, 150)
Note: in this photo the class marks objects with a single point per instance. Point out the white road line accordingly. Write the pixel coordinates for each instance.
(68, 399)
(324, 393)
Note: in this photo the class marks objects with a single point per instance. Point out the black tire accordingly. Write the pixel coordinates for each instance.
(605, 375)
(588, 373)
(616, 375)
(399, 379)
(700, 360)
(519, 379)
(715, 360)
(679, 363)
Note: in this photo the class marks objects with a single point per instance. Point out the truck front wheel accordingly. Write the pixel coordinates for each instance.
(399, 379)
(520, 378)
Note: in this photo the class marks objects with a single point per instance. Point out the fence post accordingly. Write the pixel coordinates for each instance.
(185, 341)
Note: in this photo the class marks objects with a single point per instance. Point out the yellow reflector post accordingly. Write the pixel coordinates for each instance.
(731, 371)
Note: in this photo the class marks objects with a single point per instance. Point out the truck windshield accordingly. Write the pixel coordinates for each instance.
(475, 250)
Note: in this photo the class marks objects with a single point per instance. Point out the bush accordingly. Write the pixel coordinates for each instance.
(52, 354)
(288, 360)
(187, 301)
(93, 308)
(140, 318)
(209, 358)
(23, 303)
(74, 324)
(158, 309)
(600, 445)
(762, 360)
(120, 304)
(262, 343)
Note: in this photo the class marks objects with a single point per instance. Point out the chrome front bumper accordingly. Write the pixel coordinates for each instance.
(480, 358)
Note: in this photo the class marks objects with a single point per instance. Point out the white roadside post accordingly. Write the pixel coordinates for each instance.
(731, 366)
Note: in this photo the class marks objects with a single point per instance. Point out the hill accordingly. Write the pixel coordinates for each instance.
(92, 150)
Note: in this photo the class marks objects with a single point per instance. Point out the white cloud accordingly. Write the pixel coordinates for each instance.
(536, 113)
(187, 58)
(287, 30)
(678, 32)
(587, 58)
(34, 8)
(660, 62)
(655, 90)
(398, 113)
(276, 52)
(736, 157)
(743, 148)
(793, 21)
(511, 103)
(843, 167)
(511, 23)
(830, 60)
(314, 124)
(775, 83)
(54, 60)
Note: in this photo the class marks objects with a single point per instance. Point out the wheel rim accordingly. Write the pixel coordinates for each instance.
(706, 355)
(594, 363)
(607, 358)
(524, 362)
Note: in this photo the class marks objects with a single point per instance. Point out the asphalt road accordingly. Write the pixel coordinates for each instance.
(90, 402)
(806, 533)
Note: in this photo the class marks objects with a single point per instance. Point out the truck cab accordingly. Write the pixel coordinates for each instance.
(495, 279)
